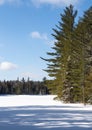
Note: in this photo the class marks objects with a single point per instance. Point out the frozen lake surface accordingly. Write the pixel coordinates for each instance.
(27, 112)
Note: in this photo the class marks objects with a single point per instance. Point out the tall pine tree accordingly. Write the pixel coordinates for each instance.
(60, 65)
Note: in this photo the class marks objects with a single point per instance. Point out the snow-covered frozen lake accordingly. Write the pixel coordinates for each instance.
(25, 112)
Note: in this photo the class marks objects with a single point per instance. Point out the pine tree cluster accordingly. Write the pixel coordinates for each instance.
(23, 87)
(70, 62)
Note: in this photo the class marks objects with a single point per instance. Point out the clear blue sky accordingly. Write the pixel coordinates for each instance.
(25, 34)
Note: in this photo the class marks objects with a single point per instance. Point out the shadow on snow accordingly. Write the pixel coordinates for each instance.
(45, 118)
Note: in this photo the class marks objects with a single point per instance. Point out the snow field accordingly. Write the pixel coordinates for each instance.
(27, 112)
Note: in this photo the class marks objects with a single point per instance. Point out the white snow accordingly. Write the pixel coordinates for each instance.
(28, 112)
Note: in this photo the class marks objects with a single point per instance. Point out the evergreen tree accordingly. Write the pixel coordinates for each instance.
(86, 36)
(60, 65)
(70, 64)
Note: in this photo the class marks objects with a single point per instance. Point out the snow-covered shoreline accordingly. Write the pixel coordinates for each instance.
(27, 100)
(35, 100)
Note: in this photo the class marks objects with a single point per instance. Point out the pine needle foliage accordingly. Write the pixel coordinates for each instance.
(70, 64)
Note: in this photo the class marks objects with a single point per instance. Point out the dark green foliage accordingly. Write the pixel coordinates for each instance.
(23, 87)
(70, 64)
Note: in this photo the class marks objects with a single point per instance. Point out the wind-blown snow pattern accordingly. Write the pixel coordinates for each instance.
(25, 112)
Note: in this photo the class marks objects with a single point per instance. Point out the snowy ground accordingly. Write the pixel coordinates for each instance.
(42, 113)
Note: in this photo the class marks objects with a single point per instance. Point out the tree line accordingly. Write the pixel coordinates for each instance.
(70, 62)
(23, 87)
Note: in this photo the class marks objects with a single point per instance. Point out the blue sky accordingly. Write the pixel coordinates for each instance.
(25, 34)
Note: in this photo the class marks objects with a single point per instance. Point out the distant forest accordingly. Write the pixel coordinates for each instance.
(23, 87)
